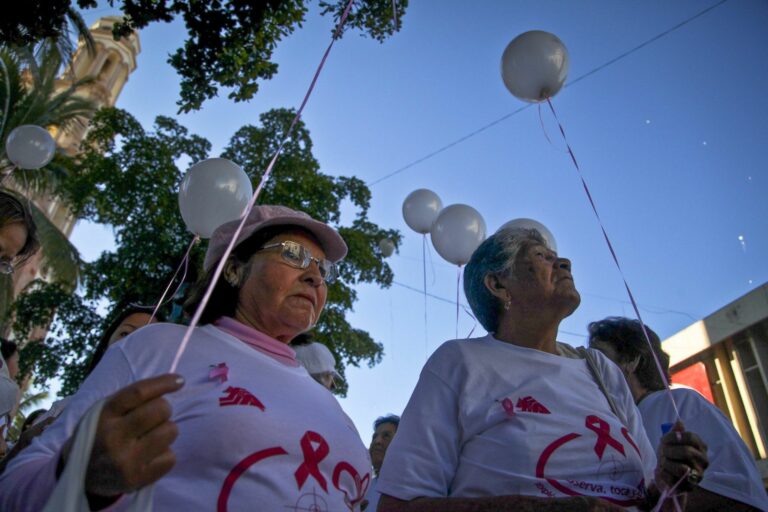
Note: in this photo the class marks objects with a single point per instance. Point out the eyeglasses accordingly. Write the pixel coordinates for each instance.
(6, 266)
(298, 256)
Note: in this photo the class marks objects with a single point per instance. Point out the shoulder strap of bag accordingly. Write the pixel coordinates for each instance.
(598, 376)
(69, 493)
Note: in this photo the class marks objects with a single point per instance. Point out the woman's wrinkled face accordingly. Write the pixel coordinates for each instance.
(129, 324)
(277, 298)
(543, 280)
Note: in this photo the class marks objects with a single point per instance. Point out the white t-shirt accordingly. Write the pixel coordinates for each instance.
(269, 438)
(9, 390)
(489, 418)
(732, 472)
(373, 496)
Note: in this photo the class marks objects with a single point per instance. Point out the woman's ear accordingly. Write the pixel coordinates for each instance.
(233, 273)
(632, 365)
(496, 287)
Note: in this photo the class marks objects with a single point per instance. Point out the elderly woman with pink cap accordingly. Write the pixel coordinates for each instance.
(242, 425)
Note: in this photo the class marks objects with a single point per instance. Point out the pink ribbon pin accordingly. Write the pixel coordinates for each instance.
(219, 371)
(509, 407)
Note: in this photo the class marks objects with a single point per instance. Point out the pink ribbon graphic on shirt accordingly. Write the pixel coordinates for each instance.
(219, 371)
(312, 457)
(603, 431)
(361, 484)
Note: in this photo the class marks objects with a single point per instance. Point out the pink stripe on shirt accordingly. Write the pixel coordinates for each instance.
(280, 352)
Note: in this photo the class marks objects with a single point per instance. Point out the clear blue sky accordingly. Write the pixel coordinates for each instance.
(671, 140)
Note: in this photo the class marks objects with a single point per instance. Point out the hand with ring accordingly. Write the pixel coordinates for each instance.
(682, 459)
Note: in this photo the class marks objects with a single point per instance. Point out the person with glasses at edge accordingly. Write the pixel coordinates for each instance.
(732, 481)
(249, 426)
(317, 359)
(18, 242)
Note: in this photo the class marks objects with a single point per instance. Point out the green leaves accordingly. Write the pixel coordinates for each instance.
(230, 43)
(128, 178)
(74, 331)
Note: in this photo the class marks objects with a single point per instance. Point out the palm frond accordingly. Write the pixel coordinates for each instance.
(60, 259)
(82, 31)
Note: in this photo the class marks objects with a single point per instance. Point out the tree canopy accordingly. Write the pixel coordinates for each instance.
(128, 178)
(229, 42)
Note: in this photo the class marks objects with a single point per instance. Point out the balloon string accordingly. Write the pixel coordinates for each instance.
(543, 128)
(616, 261)
(394, 12)
(184, 263)
(431, 264)
(670, 493)
(7, 98)
(424, 275)
(458, 285)
(265, 177)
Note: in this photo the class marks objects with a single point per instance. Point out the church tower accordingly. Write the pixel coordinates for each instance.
(109, 66)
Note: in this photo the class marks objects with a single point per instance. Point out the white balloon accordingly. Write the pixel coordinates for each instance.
(213, 191)
(457, 232)
(420, 209)
(30, 147)
(524, 223)
(387, 247)
(534, 66)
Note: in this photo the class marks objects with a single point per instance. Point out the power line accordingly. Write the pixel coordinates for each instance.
(572, 82)
(464, 306)
(650, 308)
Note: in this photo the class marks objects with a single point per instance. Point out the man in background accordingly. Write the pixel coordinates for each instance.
(384, 430)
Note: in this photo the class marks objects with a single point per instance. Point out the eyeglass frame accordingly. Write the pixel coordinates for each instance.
(332, 272)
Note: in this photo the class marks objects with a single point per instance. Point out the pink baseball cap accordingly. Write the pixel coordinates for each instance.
(263, 216)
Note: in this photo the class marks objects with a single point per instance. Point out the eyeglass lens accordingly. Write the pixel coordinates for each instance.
(299, 256)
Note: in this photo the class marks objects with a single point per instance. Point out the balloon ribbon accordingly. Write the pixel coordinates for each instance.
(265, 177)
(616, 261)
(184, 263)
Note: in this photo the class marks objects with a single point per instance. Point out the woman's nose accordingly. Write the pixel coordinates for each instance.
(312, 274)
(563, 263)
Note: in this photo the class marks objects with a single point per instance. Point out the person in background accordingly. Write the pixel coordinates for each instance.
(732, 481)
(317, 359)
(516, 421)
(10, 353)
(10, 361)
(18, 242)
(384, 430)
(125, 320)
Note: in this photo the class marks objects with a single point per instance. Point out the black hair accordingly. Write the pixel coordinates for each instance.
(393, 419)
(14, 210)
(115, 318)
(8, 348)
(625, 335)
(31, 417)
(305, 338)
